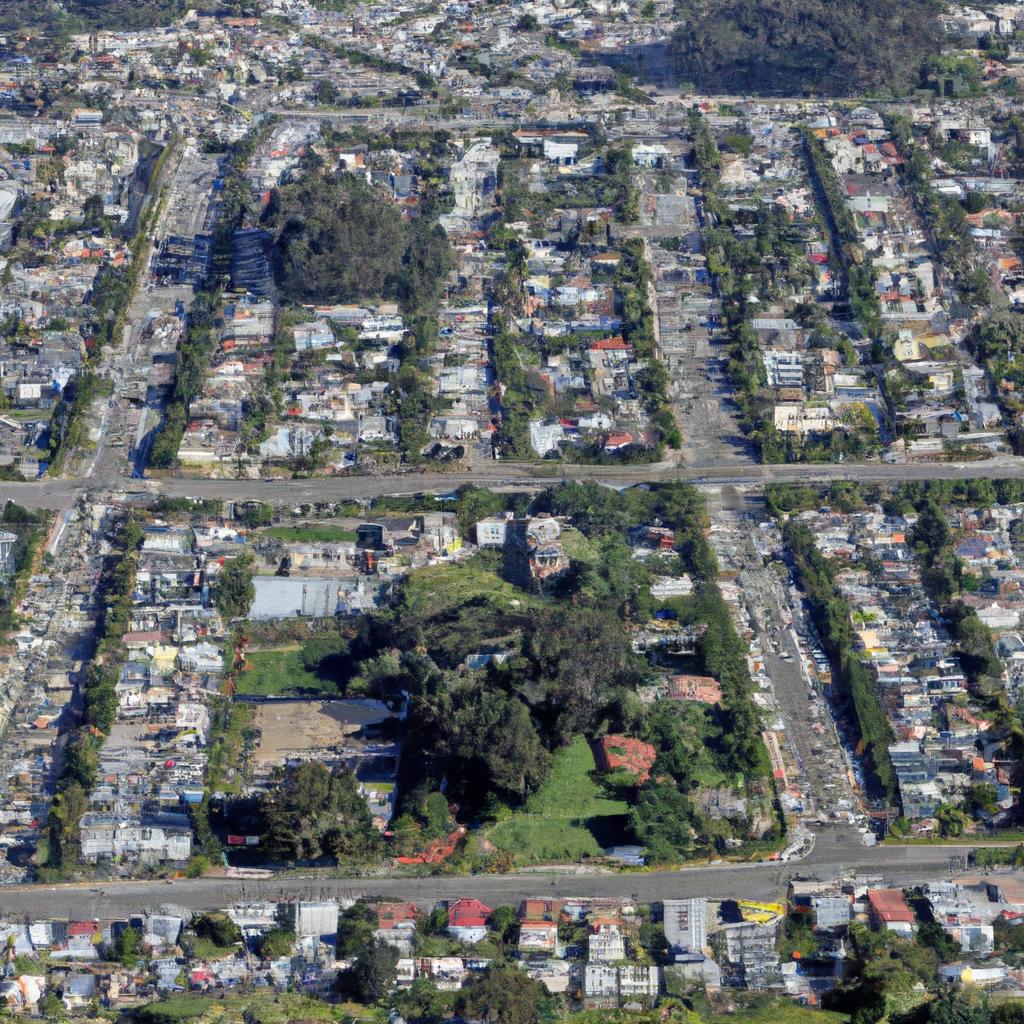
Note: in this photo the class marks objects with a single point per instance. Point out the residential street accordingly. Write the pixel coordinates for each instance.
(836, 853)
(59, 493)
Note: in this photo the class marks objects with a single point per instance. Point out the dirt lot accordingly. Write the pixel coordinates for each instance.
(290, 727)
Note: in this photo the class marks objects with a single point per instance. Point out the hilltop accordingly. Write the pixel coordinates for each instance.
(836, 47)
(52, 20)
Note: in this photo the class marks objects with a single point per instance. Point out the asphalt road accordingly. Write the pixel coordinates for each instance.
(830, 858)
(59, 493)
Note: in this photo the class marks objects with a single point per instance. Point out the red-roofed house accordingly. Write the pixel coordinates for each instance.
(616, 344)
(888, 909)
(536, 909)
(539, 937)
(618, 440)
(633, 755)
(396, 923)
(397, 915)
(467, 920)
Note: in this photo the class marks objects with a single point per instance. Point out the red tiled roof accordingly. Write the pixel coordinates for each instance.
(629, 753)
(535, 910)
(616, 344)
(145, 636)
(618, 439)
(890, 906)
(390, 915)
(468, 913)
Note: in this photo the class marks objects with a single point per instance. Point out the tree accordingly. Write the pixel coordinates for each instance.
(504, 995)
(437, 816)
(998, 336)
(218, 928)
(356, 925)
(374, 972)
(70, 803)
(952, 820)
(981, 798)
(662, 820)
(505, 922)
(958, 1007)
(482, 741)
(576, 689)
(476, 503)
(128, 947)
(197, 866)
(816, 46)
(311, 813)
(276, 943)
(339, 240)
(423, 1003)
(235, 589)
(257, 514)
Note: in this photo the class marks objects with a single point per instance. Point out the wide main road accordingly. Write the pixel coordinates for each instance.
(59, 493)
(837, 854)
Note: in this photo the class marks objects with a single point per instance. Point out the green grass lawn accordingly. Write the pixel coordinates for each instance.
(280, 672)
(312, 534)
(569, 817)
(435, 588)
(237, 1007)
(207, 949)
(781, 1012)
(577, 546)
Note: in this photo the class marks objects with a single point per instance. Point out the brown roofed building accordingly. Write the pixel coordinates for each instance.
(632, 755)
(701, 689)
(888, 909)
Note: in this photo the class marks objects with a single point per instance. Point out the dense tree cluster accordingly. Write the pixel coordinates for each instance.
(29, 528)
(791, 46)
(311, 813)
(338, 240)
(53, 21)
(235, 589)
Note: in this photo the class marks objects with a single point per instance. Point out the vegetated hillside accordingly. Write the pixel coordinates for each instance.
(126, 14)
(339, 241)
(36, 17)
(837, 47)
(48, 18)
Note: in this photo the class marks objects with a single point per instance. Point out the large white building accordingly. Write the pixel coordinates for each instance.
(150, 840)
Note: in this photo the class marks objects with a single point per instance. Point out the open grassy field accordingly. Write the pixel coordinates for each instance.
(280, 672)
(435, 588)
(311, 533)
(571, 816)
(780, 1012)
(236, 1007)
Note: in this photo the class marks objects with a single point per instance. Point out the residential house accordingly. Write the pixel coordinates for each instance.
(467, 920)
